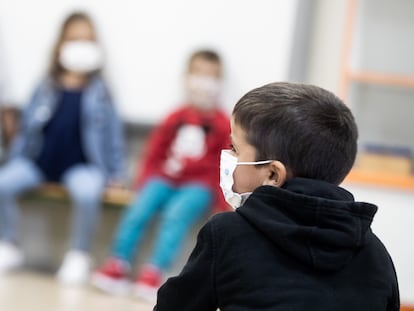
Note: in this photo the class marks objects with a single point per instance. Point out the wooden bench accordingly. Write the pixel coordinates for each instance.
(110, 196)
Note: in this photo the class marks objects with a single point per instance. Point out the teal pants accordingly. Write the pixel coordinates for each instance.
(180, 207)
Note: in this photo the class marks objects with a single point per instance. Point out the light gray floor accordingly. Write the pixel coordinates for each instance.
(44, 231)
(28, 291)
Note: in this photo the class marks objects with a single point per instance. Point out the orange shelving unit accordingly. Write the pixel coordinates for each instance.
(361, 176)
(381, 78)
(350, 76)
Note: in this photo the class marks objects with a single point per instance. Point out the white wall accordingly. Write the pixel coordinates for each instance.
(147, 44)
(326, 47)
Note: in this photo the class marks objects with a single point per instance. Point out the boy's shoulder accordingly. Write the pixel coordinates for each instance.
(227, 223)
(224, 217)
(223, 116)
(182, 111)
(177, 111)
(187, 113)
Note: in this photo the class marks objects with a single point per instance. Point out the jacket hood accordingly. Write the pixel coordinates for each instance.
(316, 222)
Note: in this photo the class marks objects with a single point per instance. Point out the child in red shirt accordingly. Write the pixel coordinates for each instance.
(179, 179)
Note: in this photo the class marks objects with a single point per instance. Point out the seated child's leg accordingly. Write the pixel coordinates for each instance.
(182, 211)
(85, 185)
(16, 176)
(137, 215)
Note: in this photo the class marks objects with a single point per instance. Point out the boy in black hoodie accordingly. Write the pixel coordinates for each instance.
(298, 241)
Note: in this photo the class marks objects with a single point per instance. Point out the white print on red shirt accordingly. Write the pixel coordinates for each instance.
(189, 143)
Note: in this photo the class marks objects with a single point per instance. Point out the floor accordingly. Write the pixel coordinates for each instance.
(45, 227)
(24, 291)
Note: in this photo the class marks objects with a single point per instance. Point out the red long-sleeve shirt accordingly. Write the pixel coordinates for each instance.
(186, 147)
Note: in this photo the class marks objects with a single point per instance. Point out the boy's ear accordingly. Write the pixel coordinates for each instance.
(277, 174)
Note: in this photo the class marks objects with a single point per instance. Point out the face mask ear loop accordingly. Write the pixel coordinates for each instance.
(255, 162)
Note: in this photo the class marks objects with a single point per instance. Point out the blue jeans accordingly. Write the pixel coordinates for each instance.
(84, 183)
(180, 207)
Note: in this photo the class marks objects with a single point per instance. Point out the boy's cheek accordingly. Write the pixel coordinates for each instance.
(244, 181)
(236, 181)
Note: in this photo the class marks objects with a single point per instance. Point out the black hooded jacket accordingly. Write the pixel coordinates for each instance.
(305, 246)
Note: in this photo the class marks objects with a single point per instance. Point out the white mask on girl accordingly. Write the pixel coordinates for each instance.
(228, 164)
(81, 56)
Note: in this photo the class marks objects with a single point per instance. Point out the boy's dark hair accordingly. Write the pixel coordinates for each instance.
(208, 55)
(305, 127)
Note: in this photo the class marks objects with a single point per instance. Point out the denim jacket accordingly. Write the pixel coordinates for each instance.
(102, 134)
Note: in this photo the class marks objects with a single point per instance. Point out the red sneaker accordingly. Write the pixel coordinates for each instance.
(113, 276)
(148, 282)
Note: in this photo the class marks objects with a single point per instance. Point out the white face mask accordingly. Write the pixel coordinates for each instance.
(228, 164)
(203, 91)
(81, 56)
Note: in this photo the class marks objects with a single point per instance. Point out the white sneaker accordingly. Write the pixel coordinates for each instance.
(145, 292)
(11, 257)
(75, 268)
